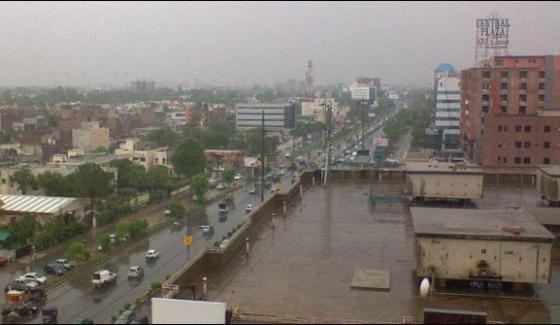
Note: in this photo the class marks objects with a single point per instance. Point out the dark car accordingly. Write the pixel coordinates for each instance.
(4, 261)
(54, 269)
(17, 286)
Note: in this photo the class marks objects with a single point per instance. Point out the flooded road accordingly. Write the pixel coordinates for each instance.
(78, 298)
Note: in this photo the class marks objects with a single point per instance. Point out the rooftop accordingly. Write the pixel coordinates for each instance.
(434, 167)
(34, 204)
(546, 216)
(475, 223)
(551, 170)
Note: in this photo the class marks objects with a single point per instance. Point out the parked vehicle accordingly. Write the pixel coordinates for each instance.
(220, 187)
(237, 177)
(54, 269)
(103, 277)
(252, 191)
(135, 272)
(16, 286)
(65, 263)
(30, 284)
(4, 261)
(152, 254)
(33, 276)
(14, 312)
(273, 190)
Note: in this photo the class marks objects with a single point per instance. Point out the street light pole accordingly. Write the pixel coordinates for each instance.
(262, 157)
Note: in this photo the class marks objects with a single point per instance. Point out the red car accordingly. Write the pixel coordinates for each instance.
(3, 261)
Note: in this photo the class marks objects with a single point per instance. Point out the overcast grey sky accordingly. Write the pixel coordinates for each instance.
(85, 44)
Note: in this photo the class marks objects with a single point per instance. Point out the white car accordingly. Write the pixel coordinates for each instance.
(273, 190)
(152, 254)
(237, 177)
(249, 208)
(64, 263)
(220, 187)
(33, 276)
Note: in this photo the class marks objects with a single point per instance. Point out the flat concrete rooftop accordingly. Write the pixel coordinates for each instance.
(551, 170)
(475, 223)
(434, 167)
(302, 271)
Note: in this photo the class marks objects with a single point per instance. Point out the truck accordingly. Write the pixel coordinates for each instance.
(103, 278)
(381, 148)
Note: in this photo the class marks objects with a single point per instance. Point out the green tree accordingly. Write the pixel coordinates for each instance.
(189, 158)
(228, 175)
(24, 179)
(77, 252)
(105, 242)
(130, 174)
(164, 137)
(123, 230)
(92, 182)
(101, 150)
(199, 185)
(177, 210)
(159, 179)
(22, 230)
(54, 184)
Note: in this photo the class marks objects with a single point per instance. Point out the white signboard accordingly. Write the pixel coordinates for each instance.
(179, 311)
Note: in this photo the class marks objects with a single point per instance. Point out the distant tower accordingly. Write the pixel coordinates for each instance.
(309, 79)
(492, 38)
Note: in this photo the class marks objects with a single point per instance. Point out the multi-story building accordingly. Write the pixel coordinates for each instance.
(510, 112)
(447, 107)
(144, 155)
(90, 137)
(315, 110)
(276, 116)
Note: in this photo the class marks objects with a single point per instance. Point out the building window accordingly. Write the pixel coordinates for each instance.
(499, 128)
(541, 98)
(523, 86)
(542, 74)
(518, 144)
(504, 97)
(522, 110)
(541, 85)
(517, 160)
(523, 98)
(142, 159)
(518, 128)
(527, 160)
(486, 74)
(503, 109)
(547, 128)
(504, 74)
(527, 128)
(546, 145)
(546, 161)
(527, 144)
(482, 120)
(485, 86)
(505, 160)
(522, 74)
(485, 109)
(485, 98)
(504, 86)
(505, 128)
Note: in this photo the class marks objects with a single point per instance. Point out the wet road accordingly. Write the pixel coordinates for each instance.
(78, 298)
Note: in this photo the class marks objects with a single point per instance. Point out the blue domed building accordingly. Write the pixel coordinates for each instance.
(447, 108)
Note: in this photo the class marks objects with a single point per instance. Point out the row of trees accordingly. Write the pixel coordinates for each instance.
(416, 119)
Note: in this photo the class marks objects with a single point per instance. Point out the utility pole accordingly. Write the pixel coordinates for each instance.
(363, 124)
(262, 157)
(328, 140)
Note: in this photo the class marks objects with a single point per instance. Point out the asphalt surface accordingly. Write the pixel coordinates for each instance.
(78, 299)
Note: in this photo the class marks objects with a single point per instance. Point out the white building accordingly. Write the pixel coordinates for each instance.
(362, 91)
(315, 109)
(447, 110)
(147, 157)
(276, 116)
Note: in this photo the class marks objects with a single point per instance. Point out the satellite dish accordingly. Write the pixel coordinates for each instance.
(424, 287)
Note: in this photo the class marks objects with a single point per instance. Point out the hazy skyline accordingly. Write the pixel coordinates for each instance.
(239, 44)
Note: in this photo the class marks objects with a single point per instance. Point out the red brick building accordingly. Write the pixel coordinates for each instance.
(510, 112)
